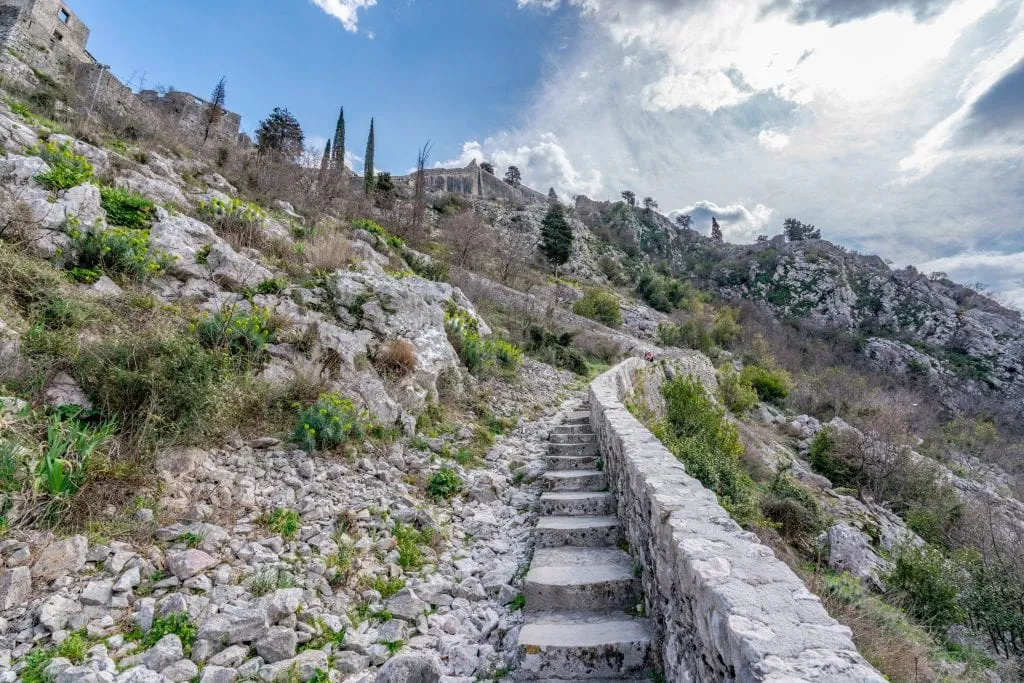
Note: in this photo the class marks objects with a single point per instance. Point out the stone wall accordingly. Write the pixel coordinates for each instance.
(472, 181)
(189, 112)
(724, 607)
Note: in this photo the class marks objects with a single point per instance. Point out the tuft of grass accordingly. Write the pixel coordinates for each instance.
(284, 522)
(177, 623)
(395, 359)
(127, 209)
(386, 586)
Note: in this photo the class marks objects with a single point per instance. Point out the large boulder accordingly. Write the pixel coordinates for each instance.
(233, 270)
(184, 239)
(62, 390)
(60, 558)
(411, 668)
(849, 550)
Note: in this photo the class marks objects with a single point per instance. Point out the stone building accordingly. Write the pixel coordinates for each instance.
(46, 36)
(473, 181)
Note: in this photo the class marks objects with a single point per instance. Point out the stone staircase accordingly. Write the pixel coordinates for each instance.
(581, 585)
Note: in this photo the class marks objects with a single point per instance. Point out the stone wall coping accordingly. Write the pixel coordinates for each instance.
(724, 607)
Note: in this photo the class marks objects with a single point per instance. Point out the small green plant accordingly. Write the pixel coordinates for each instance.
(518, 603)
(600, 306)
(243, 334)
(36, 662)
(192, 540)
(127, 209)
(67, 169)
(203, 254)
(394, 646)
(445, 484)
(177, 623)
(410, 542)
(330, 422)
(273, 286)
(118, 251)
(386, 586)
(375, 229)
(74, 647)
(283, 521)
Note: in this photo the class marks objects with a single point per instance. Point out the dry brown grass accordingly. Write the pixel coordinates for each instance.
(395, 359)
(329, 251)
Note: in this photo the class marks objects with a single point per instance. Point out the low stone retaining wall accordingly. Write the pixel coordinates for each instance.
(724, 607)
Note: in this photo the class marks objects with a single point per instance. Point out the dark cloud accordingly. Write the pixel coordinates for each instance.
(999, 110)
(835, 12)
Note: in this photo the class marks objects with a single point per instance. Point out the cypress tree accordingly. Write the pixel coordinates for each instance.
(368, 169)
(716, 230)
(325, 162)
(556, 236)
(339, 141)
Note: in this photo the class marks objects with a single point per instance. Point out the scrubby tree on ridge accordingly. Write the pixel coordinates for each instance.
(796, 231)
(629, 197)
(716, 230)
(280, 133)
(215, 112)
(513, 176)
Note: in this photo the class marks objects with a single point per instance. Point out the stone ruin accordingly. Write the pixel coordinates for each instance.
(44, 43)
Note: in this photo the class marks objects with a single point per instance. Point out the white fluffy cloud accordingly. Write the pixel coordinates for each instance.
(772, 139)
(345, 11)
(543, 162)
(738, 223)
(820, 109)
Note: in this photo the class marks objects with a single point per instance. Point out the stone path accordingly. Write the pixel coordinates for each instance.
(580, 585)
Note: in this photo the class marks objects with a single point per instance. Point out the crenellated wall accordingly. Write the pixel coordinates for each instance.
(724, 607)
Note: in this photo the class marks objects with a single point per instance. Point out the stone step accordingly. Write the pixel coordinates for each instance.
(580, 531)
(572, 462)
(573, 437)
(579, 417)
(591, 579)
(573, 448)
(577, 503)
(585, 646)
(575, 480)
(572, 429)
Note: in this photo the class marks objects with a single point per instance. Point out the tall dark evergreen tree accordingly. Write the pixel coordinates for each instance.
(325, 162)
(368, 170)
(339, 141)
(716, 230)
(556, 235)
(796, 231)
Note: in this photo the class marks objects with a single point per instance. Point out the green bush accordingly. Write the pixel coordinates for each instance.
(556, 350)
(708, 445)
(664, 293)
(330, 422)
(67, 169)
(410, 542)
(157, 386)
(692, 334)
(928, 584)
(427, 268)
(373, 228)
(600, 306)
(240, 221)
(726, 330)
(825, 460)
(126, 208)
(771, 385)
(737, 395)
(793, 509)
(242, 334)
(480, 356)
(445, 484)
(118, 251)
(176, 623)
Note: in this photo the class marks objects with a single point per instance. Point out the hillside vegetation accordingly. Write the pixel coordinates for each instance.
(238, 383)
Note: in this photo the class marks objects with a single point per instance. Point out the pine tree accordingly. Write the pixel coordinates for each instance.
(513, 176)
(368, 169)
(556, 236)
(552, 194)
(280, 134)
(629, 197)
(339, 141)
(716, 230)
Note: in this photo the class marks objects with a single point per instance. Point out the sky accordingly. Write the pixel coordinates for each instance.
(894, 126)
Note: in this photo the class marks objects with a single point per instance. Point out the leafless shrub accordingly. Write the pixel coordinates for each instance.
(512, 253)
(466, 239)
